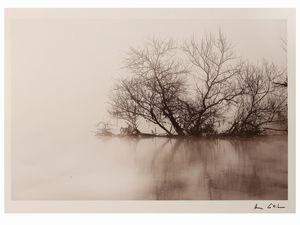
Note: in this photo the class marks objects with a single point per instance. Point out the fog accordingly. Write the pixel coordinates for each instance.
(154, 168)
(63, 70)
(61, 74)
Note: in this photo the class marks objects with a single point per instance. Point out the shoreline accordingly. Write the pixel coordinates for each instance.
(211, 136)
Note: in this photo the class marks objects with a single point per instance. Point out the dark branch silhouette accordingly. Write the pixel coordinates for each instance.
(261, 104)
(198, 87)
(215, 79)
(154, 89)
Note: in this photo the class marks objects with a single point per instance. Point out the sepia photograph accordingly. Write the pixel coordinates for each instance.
(157, 106)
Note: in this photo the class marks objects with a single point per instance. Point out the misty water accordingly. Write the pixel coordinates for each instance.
(156, 169)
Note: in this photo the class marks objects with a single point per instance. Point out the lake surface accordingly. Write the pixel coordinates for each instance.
(153, 169)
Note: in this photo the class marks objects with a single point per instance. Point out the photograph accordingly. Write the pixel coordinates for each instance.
(175, 106)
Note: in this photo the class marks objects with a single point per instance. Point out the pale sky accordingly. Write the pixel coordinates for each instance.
(62, 70)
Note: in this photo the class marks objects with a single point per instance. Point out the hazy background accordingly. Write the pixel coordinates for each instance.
(62, 71)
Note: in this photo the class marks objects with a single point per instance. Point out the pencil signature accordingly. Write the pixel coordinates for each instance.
(269, 206)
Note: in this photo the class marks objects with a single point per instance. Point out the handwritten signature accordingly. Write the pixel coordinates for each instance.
(269, 206)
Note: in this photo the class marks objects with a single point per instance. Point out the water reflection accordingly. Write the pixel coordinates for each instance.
(152, 168)
(214, 169)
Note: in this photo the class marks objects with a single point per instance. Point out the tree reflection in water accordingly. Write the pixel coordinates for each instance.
(216, 169)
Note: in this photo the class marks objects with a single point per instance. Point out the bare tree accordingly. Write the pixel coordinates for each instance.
(259, 107)
(215, 78)
(282, 81)
(154, 88)
(217, 87)
(104, 129)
